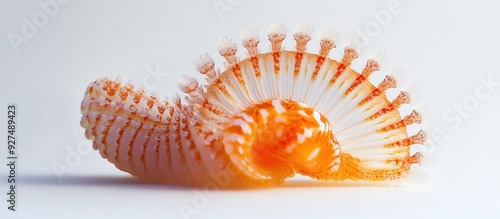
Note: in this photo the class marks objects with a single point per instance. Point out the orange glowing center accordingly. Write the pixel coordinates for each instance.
(276, 138)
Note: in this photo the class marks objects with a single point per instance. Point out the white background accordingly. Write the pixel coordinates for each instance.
(445, 48)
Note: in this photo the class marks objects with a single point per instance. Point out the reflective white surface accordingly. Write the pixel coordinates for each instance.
(449, 50)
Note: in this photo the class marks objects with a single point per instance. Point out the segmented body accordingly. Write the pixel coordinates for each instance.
(260, 121)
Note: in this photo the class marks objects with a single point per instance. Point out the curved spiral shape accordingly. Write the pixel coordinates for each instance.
(262, 120)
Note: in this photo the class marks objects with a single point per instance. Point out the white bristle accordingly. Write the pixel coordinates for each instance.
(187, 84)
(118, 79)
(202, 60)
(225, 45)
(140, 89)
(397, 73)
(356, 43)
(330, 34)
(428, 116)
(250, 33)
(277, 29)
(381, 57)
(430, 159)
(303, 29)
(414, 91)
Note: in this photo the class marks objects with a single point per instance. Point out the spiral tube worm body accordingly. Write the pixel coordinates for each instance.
(262, 120)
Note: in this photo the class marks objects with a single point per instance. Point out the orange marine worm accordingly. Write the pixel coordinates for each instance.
(262, 120)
